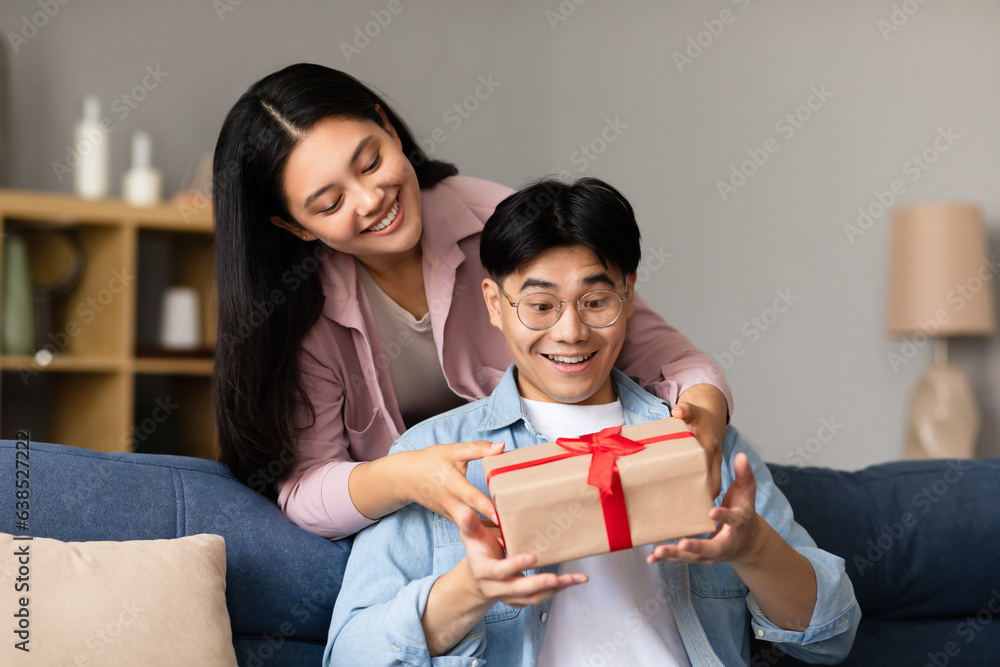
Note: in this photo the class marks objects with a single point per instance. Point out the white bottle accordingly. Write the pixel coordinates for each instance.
(141, 184)
(90, 178)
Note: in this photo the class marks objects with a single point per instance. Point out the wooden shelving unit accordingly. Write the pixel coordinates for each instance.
(97, 391)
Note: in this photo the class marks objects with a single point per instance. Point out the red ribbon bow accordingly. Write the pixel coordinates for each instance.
(605, 446)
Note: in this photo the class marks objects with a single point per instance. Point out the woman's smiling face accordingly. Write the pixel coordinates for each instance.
(348, 184)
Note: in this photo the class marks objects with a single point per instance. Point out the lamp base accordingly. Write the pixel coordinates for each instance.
(944, 418)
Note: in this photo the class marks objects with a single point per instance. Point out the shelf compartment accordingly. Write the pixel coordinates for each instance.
(168, 260)
(173, 415)
(80, 409)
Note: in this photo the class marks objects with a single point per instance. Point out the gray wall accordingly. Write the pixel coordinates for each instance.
(680, 128)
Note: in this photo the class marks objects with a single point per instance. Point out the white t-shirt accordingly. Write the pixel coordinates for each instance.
(408, 349)
(621, 615)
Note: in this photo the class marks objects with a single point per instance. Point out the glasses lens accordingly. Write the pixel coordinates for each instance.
(600, 309)
(538, 311)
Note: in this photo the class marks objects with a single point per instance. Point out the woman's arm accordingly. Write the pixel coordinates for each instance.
(665, 363)
(325, 492)
(663, 360)
(433, 477)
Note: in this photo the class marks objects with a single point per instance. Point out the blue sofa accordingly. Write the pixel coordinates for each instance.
(921, 541)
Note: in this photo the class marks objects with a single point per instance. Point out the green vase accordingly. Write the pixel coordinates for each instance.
(18, 300)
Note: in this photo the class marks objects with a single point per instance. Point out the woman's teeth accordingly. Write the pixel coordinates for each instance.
(387, 220)
(569, 360)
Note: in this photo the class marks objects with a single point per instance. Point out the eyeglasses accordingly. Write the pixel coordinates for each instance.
(541, 310)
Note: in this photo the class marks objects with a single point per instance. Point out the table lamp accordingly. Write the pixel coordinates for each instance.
(940, 285)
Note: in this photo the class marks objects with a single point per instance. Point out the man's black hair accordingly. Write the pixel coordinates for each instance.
(552, 214)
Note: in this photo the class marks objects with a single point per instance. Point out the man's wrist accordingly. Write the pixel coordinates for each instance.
(762, 543)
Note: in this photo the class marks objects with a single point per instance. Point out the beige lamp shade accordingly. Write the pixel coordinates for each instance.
(941, 272)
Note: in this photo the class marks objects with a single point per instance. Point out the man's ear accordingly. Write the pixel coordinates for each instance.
(492, 297)
(630, 291)
(293, 228)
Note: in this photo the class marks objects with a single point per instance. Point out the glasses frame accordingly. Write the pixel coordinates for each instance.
(559, 307)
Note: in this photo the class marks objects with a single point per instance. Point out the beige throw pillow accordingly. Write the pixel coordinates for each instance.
(144, 602)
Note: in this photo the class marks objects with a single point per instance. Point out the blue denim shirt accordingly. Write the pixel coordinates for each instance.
(394, 563)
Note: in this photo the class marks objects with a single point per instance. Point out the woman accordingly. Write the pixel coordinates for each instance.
(349, 309)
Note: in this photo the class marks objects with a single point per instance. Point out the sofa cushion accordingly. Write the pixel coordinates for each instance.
(281, 581)
(921, 541)
(156, 603)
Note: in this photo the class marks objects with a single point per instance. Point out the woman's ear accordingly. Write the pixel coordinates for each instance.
(387, 126)
(293, 228)
(491, 295)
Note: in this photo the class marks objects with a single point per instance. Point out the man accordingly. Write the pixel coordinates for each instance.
(420, 590)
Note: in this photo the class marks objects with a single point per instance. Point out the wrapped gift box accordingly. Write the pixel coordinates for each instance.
(561, 500)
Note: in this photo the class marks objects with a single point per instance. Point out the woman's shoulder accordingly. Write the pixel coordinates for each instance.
(476, 193)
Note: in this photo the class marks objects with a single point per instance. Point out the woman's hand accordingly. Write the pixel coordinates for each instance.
(435, 478)
(704, 409)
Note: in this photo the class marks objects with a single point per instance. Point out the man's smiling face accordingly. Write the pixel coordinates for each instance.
(569, 362)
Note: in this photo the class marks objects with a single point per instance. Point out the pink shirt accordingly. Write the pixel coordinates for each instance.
(345, 370)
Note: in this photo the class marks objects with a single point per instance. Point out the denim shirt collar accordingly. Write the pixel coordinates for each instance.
(504, 407)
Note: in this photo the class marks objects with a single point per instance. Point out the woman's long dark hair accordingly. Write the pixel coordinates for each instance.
(269, 288)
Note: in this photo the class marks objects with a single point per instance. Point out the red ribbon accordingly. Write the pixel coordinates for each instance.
(605, 447)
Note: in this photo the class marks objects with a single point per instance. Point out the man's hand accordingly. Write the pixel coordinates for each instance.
(780, 578)
(736, 535)
(464, 594)
(704, 409)
(499, 579)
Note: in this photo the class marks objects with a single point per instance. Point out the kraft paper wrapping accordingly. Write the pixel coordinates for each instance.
(549, 510)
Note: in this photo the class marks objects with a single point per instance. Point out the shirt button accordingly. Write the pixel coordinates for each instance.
(475, 663)
(543, 617)
(760, 633)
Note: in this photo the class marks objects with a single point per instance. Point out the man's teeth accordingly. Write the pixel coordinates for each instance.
(387, 220)
(569, 360)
